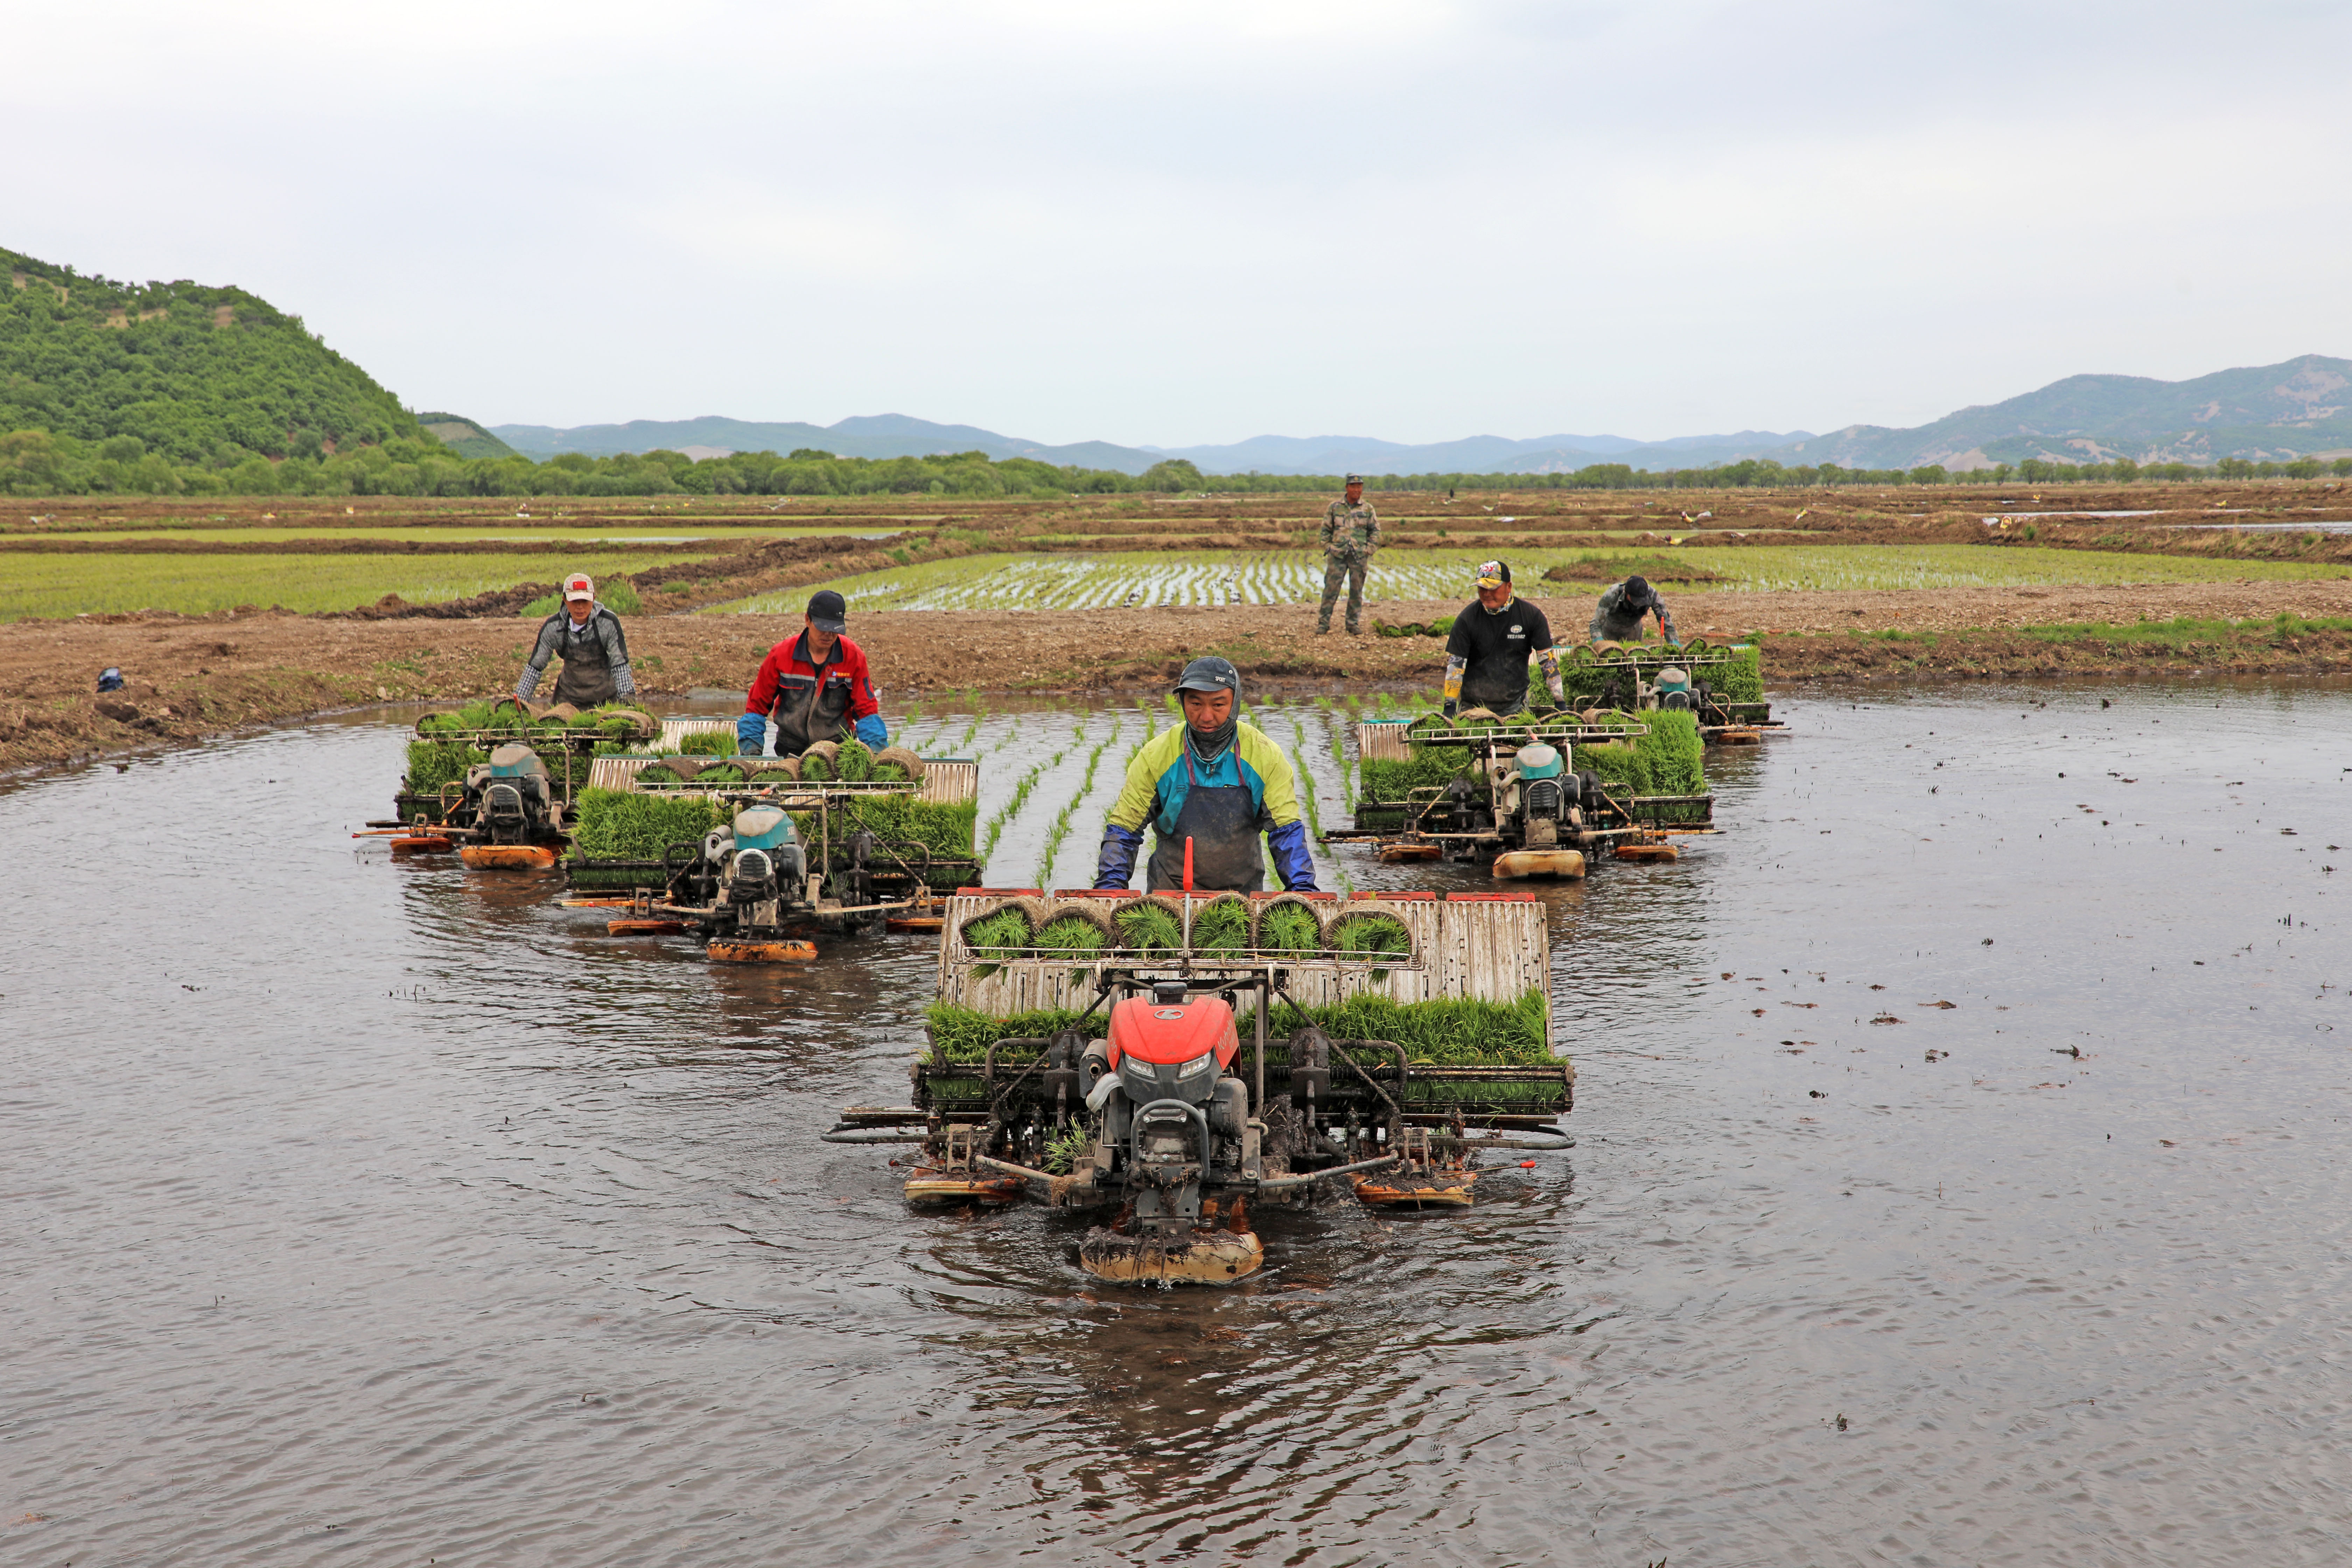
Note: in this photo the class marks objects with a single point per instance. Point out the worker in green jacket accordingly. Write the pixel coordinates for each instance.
(1215, 783)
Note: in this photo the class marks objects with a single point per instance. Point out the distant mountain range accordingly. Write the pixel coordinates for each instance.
(2300, 409)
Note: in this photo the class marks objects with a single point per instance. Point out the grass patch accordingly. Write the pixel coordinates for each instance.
(2187, 631)
(36, 585)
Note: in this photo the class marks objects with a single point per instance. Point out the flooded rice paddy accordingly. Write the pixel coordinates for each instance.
(1111, 578)
(363, 1213)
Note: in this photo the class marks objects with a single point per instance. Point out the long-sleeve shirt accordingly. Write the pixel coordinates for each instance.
(1612, 622)
(1157, 781)
(1351, 530)
(558, 635)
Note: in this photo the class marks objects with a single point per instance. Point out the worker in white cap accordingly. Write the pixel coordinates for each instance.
(587, 638)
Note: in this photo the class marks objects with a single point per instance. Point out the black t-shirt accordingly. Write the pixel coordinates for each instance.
(1498, 644)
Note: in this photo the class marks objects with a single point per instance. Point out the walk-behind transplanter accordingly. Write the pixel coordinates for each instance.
(1531, 795)
(751, 853)
(1168, 1063)
(496, 781)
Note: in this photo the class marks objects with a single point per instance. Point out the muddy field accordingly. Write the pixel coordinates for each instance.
(195, 678)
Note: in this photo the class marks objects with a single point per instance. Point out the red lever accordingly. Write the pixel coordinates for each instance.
(1187, 865)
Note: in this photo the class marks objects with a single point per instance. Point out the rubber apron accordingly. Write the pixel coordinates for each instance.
(586, 679)
(1221, 821)
(811, 709)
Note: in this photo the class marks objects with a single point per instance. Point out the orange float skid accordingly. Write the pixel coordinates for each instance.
(643, 928)
(507, 857)
(1443, 1189)
(1399, 854)
(727, 950)
(1517, 863)
(1648, 852)
(944, 1187)
(421, 844)
(915, 922)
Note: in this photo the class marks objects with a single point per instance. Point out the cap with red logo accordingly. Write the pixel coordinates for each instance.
(577, 587)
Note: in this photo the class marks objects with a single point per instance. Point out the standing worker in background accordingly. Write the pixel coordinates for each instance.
(1619, 615)
(1487, 653)
(595, 655)
(815, 686)
(1351, 533)
(1216, 784)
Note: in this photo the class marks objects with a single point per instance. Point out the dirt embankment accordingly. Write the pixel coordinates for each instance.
(192, 677)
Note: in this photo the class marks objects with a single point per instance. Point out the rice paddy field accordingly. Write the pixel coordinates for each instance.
(34, 585)
(521, 531)
(1113, 578)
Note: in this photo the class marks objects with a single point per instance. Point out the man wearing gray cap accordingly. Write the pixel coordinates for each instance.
(1351, 531)
(1618, 615)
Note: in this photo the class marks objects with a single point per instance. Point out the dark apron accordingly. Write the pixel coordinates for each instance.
(586, 680)
(1221, 822)
(1493, 686)
(807, 714)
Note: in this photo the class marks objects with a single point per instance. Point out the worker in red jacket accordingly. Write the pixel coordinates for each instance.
(815, 685)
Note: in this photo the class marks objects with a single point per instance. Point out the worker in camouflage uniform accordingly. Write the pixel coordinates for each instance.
(1351, 531)
(1621, 609)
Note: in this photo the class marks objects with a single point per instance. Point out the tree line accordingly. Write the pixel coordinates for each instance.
(34, 461)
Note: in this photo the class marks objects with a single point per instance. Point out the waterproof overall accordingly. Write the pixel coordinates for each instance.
(586, 679)
(1221, 820)
(812, 708)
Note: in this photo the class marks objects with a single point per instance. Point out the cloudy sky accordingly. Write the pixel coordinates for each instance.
(1176, 223)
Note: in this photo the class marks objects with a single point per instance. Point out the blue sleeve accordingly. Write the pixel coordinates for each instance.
(873, 732)
(751, 734)
(1292, 863)
(1115, 865)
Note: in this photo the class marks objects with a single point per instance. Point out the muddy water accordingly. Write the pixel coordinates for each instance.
(357, 1213)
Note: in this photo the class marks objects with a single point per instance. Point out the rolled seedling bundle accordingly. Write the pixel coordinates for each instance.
(774, 774)
(1368, 934)
(1150, 924)
(1076, 931)
(1287, 924)
(1432, 722)
(1002, 932)
(853, 762)
(819, 761)
(1222, 925)
(893, 764)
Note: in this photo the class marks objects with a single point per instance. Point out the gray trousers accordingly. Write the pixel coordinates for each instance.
(1349, 569)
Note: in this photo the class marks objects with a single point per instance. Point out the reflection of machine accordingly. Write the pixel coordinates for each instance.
(1513, 798)
(1169, 1102)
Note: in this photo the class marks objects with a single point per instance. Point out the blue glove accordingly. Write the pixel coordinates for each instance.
(1115, 863)
(873, 732)
(751, 734)
(1291, 861)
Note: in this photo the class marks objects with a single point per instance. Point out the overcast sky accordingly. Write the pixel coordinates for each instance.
(1177, 222)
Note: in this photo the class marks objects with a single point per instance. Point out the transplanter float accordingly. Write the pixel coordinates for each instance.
(1168, 1063)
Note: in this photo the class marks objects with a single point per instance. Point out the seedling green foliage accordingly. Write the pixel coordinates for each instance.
(432, 764)
(1149, 928)
(1367, 934)
(621, 825)
(706, 743)
(1426, 767)
(1221, 925)
(1073, 934)
(854, 764)
(961, 1034)
(1289, 928)
(1064, 1150)
(1669, 760)
(998, 933)
(1446, 1032)
(945, 829)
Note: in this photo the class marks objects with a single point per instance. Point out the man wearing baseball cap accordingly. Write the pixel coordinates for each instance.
(1351, 533)
(1487, 653)
(815, 687)
(1621, 609)
(587, 636)
(1215, 783)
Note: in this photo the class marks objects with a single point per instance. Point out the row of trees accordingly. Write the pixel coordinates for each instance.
(37, 462)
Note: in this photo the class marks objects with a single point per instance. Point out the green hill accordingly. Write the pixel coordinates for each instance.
(193, 373)
(464, 436)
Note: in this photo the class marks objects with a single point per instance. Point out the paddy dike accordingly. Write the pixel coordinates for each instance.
(191, 678)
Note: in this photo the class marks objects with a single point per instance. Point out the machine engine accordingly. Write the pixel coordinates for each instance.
(1173, 1118)
(512, 795)
(760, 860)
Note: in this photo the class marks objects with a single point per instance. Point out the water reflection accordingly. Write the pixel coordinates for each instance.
(364, 1210)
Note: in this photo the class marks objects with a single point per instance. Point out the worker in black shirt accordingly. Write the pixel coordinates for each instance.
(1487, 654)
